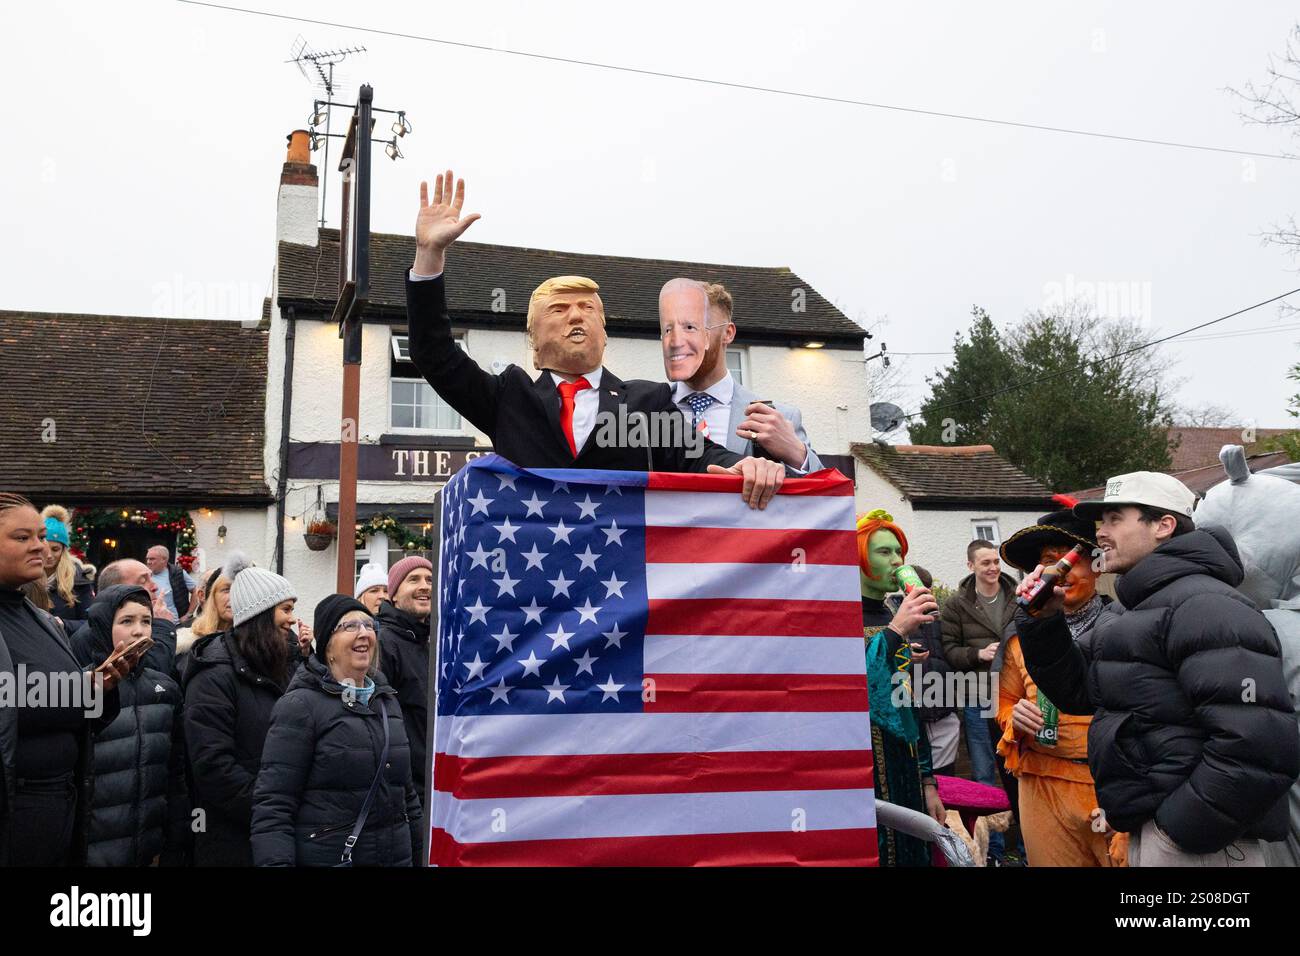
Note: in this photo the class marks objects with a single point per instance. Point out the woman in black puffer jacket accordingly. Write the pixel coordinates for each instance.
(139, 812)
(232, 682)
(46, 780)
(325, 750)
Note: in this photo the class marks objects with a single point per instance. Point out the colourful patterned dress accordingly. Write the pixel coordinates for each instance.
(900, 748)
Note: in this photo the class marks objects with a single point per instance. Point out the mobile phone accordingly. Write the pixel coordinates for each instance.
(136, 648)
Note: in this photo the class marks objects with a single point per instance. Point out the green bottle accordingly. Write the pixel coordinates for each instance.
(1048, 736)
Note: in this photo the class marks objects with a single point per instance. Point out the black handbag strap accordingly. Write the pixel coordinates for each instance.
(370, 797)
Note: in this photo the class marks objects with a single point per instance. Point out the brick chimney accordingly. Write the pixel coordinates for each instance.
(297, 203)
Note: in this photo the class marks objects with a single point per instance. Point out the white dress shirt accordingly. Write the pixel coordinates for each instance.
(586, 403)
(718, 415)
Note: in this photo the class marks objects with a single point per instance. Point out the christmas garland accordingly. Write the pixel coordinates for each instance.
(398, 534)
(175, 520)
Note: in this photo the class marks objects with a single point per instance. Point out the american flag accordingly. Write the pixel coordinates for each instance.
(637, 669)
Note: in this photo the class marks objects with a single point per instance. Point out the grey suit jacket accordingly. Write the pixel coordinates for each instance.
(742, 397)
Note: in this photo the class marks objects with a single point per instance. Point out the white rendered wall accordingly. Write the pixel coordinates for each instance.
(245, 531)
(939, 538)
(296, 214)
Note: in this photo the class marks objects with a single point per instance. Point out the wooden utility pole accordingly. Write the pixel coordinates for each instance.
(354, 292)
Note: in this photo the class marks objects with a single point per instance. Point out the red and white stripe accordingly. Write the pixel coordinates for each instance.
(754, 747)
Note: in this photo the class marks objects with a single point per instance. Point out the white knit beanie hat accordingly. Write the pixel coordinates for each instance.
(254, 590)
(370, 576)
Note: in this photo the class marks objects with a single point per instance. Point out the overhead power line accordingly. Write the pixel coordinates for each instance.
(751, 87)
(1016, 386)
(1213, 336)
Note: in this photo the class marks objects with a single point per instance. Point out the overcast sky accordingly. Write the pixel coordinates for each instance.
(143, 143)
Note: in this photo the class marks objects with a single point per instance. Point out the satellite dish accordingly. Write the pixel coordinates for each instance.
(886, 416)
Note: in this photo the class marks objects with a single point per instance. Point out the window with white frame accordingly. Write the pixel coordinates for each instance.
(401, 348)
(985, 529)
(736, 365)
(413, 405)
(374, 552)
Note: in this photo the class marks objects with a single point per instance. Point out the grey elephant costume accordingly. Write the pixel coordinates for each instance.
(1262, 513)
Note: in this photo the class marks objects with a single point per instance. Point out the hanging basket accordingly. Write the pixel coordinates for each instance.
(319, 534)
(318, 542)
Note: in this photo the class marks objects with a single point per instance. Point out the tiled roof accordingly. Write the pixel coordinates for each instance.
(480, 276)
(168, 411)
(1202, 479)
(953, 475)
(1200, 446)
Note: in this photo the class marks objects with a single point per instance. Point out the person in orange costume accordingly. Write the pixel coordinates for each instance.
(1045, 749)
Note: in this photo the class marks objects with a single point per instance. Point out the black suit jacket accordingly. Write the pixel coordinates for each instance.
(522, 415)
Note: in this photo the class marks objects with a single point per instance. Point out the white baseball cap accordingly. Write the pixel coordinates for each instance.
(1152, 488)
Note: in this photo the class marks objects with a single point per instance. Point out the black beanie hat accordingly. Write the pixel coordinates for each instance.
(328, 614)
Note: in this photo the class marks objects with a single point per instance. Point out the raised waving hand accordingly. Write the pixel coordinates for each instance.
(439, 223)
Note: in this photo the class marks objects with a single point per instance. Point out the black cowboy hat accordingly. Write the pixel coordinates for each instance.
(1060, 528)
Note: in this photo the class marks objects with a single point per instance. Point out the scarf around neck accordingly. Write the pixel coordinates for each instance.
(1080, 621)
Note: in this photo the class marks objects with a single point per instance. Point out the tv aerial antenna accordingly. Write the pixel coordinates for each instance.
(317, 68)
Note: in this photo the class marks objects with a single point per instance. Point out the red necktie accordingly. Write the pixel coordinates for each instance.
(567, 391)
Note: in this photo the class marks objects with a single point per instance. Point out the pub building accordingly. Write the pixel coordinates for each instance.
(236, 426)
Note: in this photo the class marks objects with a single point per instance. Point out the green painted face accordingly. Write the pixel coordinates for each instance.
(884, 556)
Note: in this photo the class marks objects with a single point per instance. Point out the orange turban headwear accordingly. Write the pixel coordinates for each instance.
(869, 523)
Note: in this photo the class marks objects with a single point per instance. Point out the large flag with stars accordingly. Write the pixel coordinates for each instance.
(638, 669)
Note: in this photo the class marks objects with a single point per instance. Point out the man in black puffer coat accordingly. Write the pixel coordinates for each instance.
(404, 652)
(139, 811)
(1193, 743)
(323, 752)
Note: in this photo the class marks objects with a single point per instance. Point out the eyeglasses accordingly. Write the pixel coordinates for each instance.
(356, 627)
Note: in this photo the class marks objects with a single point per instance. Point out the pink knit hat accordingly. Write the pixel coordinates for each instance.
(398, 572)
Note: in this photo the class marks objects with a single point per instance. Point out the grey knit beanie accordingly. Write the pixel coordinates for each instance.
(255, 590)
